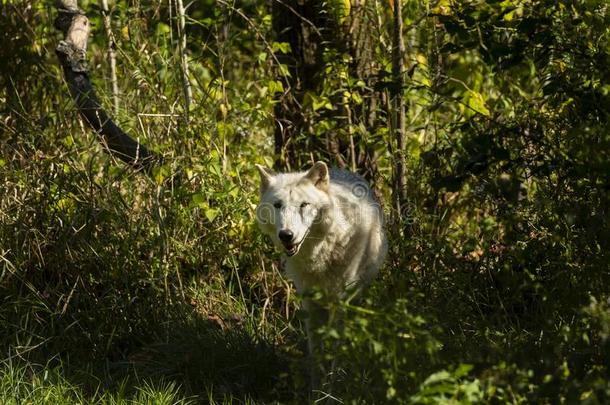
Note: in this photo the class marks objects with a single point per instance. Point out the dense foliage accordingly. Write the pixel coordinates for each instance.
(116, 287)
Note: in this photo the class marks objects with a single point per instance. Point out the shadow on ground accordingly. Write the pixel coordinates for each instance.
(206, 361)
(228, 362)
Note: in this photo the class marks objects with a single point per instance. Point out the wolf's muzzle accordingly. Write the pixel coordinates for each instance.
(286, 237)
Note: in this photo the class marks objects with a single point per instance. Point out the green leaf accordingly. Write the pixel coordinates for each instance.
(475, 101)
(275, 86)
(462, 370)
(199, 200)
(160, 173)
(163, 29)
(281, 47)
(318, 102)
(211, 214)
(356, 98)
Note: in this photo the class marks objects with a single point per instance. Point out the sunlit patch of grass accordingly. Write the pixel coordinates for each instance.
(25, 383)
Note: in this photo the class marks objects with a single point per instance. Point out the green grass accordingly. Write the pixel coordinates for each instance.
(193, 355)
(25, 383)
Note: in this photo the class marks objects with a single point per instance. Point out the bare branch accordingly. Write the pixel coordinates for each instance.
(72, 55)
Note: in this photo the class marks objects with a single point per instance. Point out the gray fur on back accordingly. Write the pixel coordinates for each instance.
(344, 176)
(354, 182)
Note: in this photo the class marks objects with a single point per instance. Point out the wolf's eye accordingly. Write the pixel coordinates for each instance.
(305, 204)
(278, 204)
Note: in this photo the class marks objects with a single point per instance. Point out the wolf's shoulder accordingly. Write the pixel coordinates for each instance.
(346, 177)
(350, 185)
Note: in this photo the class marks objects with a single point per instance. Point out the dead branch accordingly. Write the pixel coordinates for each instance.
(72, 55)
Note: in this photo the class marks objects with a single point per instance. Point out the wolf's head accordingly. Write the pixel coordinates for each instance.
(292, 204)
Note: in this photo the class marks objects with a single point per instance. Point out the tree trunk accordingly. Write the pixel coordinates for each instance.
(298, 25)
(312, 27)
(398, 111)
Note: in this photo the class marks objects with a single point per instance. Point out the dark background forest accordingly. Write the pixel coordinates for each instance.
(482, 125)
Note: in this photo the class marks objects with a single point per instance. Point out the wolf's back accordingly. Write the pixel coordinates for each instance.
(353, 182)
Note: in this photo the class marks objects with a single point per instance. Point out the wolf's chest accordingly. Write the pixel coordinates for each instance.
(329, 254)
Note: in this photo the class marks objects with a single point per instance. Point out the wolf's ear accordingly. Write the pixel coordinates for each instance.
(266, 177)
(318, 175)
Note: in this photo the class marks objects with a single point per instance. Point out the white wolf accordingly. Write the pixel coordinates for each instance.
(329, 227)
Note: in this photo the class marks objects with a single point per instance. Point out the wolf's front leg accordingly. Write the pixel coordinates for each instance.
(317, 315)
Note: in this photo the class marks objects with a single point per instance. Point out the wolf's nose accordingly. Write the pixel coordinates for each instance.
(285, 235)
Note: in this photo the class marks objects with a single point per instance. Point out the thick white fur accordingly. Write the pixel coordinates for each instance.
(344, 243)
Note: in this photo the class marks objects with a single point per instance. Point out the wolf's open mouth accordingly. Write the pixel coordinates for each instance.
(291, 250)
